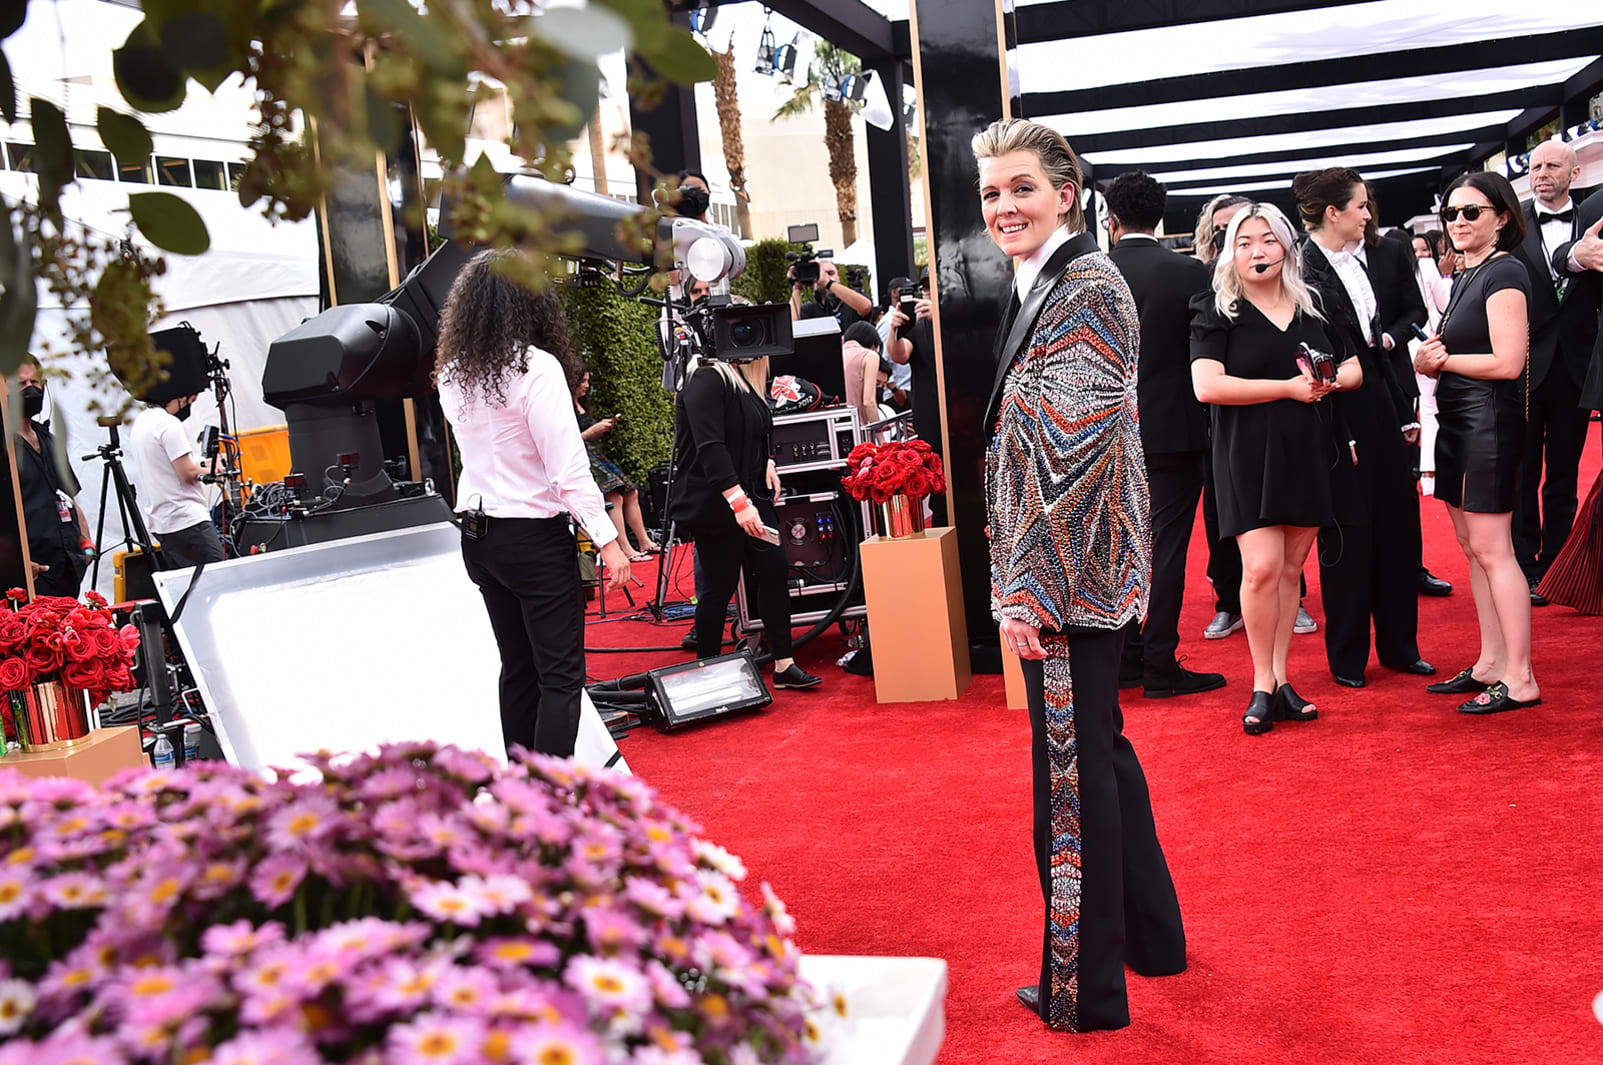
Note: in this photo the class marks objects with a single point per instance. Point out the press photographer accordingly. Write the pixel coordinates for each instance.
(173, 494)
(821, 278)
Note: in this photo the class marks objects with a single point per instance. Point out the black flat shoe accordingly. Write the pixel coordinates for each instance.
(1495, 700)
(1030, 998)
(1348, 682)
(1462, 684)
(1418, 667)
(794, 676)
(1260, 715)
(1289, 706)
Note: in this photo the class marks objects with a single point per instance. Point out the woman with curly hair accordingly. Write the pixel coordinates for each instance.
(506, 372)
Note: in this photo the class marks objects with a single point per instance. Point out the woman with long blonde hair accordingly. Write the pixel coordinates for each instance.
(1272, 451)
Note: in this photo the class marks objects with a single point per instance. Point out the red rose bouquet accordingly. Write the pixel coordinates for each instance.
(876, 472)
(56, 638)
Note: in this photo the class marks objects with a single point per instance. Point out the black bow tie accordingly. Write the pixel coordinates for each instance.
(1566, 215)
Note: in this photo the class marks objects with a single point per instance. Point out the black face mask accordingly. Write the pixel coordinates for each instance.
(1218, 241)
(693, 202)
(33, 400)
(183, 412)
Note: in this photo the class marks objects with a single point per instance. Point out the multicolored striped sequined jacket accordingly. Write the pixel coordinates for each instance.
(1066, 483)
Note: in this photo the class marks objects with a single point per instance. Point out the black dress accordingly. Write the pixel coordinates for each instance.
(1481, 422)
(1271, 460)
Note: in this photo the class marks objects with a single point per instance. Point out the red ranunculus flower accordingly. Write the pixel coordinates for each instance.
(19, 594)
(13, 632)
(14, 675)
(88, 675)
(95, 597)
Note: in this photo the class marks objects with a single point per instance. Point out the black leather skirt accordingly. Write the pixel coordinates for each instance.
(1482, 425)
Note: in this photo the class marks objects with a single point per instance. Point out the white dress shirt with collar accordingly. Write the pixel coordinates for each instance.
(1029, 267)
(524, 458)
(1556, 232)
(1350, 266)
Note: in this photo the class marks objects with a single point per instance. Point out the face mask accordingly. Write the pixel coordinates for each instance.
(183, 412)
(1219, 240)
(33, 400)
(693, 202)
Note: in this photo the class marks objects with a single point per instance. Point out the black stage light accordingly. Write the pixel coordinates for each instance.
(708, 688)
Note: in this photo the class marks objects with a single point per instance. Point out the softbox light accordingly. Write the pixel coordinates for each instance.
(711, 687)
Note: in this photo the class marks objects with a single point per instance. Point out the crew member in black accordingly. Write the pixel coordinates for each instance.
(57, 529)
(1174, 427)
(724, 496)
(1368, 570)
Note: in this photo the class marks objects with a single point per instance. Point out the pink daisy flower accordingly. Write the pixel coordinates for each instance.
(436, 1039)
(445, 901)
(566, 1043)
(302, 823)
(610, 985)
(277, 877)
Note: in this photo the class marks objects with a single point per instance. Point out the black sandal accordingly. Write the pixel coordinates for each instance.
(1289, 706)
(1260, 715)
(1462, 684)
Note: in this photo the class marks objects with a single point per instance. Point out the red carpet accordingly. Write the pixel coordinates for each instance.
(1394, 883)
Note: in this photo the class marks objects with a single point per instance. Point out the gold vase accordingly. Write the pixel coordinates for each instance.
(50, 716)
(901, 517)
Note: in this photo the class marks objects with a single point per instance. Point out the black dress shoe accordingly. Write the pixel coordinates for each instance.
(1462, 684)
(1177, 680)
(1430, 584)
(1495, 700)
(1030, 998)
(1418, 667)
(794, 676)
(1348, 682)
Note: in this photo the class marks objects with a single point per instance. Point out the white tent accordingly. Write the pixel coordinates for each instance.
(256, 283)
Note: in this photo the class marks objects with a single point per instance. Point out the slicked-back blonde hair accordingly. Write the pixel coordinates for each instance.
(1058, 161)
(1227, 287)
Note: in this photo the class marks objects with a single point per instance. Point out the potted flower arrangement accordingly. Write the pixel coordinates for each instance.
(59, 658)
(420, 904)
(897, 476)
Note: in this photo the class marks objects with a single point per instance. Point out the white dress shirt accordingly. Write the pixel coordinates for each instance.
(524, 458)
(1349, 264)
(1029, 267)
(1556, 232)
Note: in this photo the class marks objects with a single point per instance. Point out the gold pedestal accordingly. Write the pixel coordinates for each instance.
(915, 616)
(95, 758)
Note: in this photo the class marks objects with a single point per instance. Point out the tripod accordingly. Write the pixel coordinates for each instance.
(134, 532)
(677, 346)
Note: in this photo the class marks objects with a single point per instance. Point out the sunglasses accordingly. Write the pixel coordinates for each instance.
(1470, 211)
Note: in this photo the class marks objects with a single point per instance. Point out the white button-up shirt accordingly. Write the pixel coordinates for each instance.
(524, 458)
(1555, 232)
(1349, 266)
(1029, 267)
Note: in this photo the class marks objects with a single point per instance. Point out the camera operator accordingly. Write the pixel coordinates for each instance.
(57, 529)
(913, 344)
(841, 300)
(506, 371)
(725, 497)
(901, 373)
(174, 494)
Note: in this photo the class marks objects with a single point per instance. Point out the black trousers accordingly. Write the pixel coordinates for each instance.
(723, 553)
(1175, 482)
(191, 546)
(1224, 554)
(1544, 507)
(1109, 897)
(527, 569)
(1370, 574)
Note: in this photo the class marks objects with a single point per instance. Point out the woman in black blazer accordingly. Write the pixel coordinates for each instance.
(1071, 554)
(1366, 561)
(724, 496)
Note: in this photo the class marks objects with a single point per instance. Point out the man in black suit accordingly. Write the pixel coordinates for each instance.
(1564, 328)
(1174, 427)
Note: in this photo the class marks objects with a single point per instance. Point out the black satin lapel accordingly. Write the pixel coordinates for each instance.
(1535, 251)
(1328, 282)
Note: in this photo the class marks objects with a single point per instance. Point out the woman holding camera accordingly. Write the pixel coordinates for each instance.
(1478, 358)
(1368, 558)
(1272, 449)
(1071, 555)
(724, 496)
(506, 369)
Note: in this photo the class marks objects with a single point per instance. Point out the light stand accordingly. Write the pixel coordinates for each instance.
(113, 476)
(229, 477)
(678, 347)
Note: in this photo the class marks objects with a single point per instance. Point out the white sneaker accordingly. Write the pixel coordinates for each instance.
(1223, 624)
(1305, 622)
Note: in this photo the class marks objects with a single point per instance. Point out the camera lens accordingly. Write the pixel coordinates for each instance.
(746, 334)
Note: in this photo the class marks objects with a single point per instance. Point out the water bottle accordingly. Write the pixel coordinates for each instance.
(191, 741)
(161, 755)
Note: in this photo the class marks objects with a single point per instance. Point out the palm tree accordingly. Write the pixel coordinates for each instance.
(723, 87)
(830, 61)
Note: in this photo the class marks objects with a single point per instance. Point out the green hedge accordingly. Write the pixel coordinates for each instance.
(617, 338)
(765, 278)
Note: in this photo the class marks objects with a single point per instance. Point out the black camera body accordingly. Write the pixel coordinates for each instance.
(806, 264)
(1321, 364)
(738, 333)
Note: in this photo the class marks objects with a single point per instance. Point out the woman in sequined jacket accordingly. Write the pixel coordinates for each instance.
(1067, 503)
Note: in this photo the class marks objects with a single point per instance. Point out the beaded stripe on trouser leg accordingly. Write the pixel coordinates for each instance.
(1063, 907)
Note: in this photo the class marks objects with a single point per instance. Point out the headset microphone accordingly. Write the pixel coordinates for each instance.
(1263, 268)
